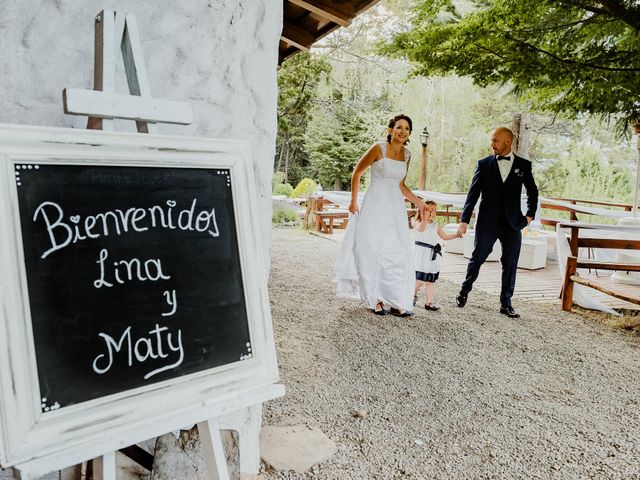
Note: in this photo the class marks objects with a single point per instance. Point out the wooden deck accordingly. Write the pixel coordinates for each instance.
(541, 286)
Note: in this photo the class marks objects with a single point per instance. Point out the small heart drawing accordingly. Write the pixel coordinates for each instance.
(171, 203)
(75, 218)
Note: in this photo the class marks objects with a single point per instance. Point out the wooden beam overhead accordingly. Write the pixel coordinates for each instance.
(296, 36)
(338, 12)
(305, 22)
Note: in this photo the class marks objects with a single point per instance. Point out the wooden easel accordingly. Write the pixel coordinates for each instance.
(113, 32)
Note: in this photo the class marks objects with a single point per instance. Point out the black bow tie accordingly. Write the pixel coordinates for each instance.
(500, 157)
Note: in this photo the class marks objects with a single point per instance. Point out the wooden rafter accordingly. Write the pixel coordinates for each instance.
(307, 21)
(296, 36)
(340, 13)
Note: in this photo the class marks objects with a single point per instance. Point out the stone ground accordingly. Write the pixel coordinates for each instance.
(459, 393)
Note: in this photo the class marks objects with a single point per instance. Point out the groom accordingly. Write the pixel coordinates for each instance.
(499, 178)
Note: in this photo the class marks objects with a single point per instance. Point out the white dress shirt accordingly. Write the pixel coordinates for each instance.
(505, 166)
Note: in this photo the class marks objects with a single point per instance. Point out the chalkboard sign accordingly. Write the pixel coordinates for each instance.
(134, 296)
(133, 276)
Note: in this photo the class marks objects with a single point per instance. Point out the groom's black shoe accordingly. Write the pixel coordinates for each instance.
(509, 312)
(461, 299)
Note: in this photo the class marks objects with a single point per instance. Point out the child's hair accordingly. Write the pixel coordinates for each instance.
(427, 202)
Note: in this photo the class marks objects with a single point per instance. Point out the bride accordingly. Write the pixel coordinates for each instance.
(375, 262)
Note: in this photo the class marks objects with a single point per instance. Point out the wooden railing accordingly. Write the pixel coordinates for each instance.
(553, 221)
(573, 262)
(572, 212)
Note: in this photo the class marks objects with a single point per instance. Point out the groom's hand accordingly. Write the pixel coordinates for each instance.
(462, 229)
(529, 220)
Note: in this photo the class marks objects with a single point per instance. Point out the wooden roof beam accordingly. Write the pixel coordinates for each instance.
(338, 12)
(296, 36)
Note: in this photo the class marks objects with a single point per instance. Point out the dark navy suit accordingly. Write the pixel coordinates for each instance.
(499, 218)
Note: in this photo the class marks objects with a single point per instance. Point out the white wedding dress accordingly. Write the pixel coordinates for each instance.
(375, 262)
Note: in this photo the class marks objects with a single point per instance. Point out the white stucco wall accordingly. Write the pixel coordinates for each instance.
(219, 55)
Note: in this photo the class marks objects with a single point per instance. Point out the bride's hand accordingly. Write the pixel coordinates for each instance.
(422, 206)
(353, 207)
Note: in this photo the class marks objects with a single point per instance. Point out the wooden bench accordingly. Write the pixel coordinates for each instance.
(573, 262)
(325, 219)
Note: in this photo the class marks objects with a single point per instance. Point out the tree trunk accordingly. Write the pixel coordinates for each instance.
(337, 184)
(279, 164)
(286, 162)
(521, 128)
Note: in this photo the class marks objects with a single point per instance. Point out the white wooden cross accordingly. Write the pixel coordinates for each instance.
(113, 32)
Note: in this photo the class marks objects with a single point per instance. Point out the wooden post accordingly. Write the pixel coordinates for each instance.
(424, 159)
(567, 286)
(424, 163)
(573, 242)
(247, 422)
(635, 125)
(213, 450)
(104, 467)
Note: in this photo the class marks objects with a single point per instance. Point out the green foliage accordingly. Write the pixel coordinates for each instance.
(304, 189)
(283, 189)
(581, 173)
(348, 118)
(284, 215)
(276, 179)
(334, 144)
(299, 79)
(562, 56)
(573, 155)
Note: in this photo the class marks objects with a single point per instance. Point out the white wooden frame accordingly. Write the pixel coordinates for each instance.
(37, 443)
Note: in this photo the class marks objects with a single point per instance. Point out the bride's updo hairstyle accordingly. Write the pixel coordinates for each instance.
(392, 124)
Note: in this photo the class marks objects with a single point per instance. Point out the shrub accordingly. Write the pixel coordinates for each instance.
(304, 189)
(283, 189)
(284, 215)
(278, 177)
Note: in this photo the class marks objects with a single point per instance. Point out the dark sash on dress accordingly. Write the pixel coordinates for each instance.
(437, 249)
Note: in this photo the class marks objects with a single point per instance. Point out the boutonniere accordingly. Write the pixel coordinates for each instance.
(518, 172)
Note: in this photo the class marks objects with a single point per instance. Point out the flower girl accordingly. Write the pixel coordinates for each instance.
(428, 253)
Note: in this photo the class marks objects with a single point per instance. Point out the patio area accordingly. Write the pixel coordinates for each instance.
(540, 286)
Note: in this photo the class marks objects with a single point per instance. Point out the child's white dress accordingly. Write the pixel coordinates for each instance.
(427, 253)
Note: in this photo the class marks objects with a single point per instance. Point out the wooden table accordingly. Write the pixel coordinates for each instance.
(325, 220)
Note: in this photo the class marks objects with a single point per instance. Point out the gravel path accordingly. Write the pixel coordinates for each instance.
(459, 393)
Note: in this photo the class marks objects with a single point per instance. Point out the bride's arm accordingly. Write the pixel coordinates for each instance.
(413, 198)
(408, 194)
(374, 153)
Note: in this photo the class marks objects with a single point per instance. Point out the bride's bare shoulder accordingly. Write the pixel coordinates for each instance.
(377, 151)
